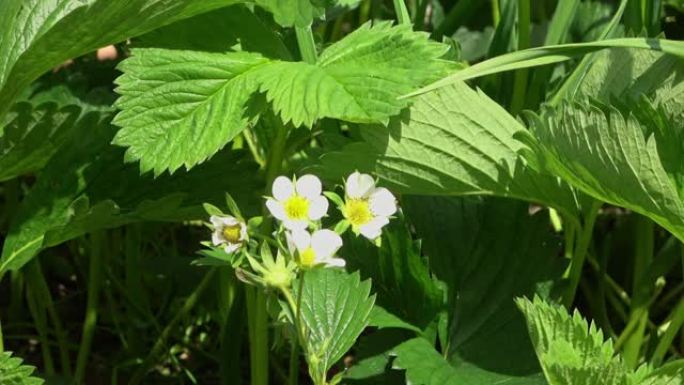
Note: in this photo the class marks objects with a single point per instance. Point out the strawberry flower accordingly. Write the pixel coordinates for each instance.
(297, 203)
(367, 208)
(229, 232)
(315, 249)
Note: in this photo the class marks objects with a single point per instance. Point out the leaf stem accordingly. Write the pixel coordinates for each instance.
(97, 248)
(520, 81)
(401, 12)
(496, 13)
(307, 45)
(583, 238)
(674, 323)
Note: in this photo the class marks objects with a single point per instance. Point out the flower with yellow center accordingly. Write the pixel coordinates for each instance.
(298, 202)
(229, 232)
(366, 207)
(315, 249)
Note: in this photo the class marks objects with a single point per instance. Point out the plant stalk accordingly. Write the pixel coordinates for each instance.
(574, 271)
(307, 45)
(674, 323)
(520, 80)
(97, 250)
(160, 344)
(401, 12)
(496, 13)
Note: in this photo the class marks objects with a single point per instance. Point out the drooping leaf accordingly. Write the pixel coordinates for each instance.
(606, 155)
(38, 35)
(178, 108)
(454, 141)
(487, 252)
(570, 350)
(12, 372)
(357, 79)
(87, 187)
(335, 307)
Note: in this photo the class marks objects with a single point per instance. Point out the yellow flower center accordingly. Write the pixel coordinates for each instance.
(232, 233)
(357, 212)
(307, 257)
(296, 207)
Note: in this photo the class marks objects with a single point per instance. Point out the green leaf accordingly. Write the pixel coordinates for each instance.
(12, 372)
(87, 187)
(548, 55)
(487, 252)
(219, 31)
(606, 155)
(570, 350)
(335, 307)
(38, 35)
(454, 141)
(669, 374)
(178, 108)
(300, 13)
(32, 135)
(373, 356)
(357, 79)
(424, 365)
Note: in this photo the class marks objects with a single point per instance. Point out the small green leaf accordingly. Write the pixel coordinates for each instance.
(335, 308)
(12, 372)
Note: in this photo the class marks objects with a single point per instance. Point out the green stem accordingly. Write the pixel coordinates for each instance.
(401, 12)
(160, 344)
(2, 342)
(520, 82)
(574, 271)
(496, 13)
(674, 323)
(307, 45)
(641, 289)
(98, 247)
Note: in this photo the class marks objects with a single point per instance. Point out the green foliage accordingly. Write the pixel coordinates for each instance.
(12, 372)
(300, 13)
(453, 141)
(335, 307)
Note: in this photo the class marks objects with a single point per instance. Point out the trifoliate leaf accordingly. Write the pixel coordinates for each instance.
(38, 35)
(12, 372)
(181, 107)
(335, 307)
(452, 141)
(570, 350)
(357, 79)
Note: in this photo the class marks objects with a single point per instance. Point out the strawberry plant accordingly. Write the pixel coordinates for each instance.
(335, 192)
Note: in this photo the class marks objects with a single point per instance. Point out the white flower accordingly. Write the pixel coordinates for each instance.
(228, 231)
(367, 208)
(297, 203)
(314, 249)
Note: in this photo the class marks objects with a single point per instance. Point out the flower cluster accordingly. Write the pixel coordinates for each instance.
(300, 205)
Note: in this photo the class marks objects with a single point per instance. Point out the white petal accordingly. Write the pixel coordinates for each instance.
(325, 243)
(309, 186)
(217, 238)
(282, 188)
(318, 207)
(294, 224)
(232, 247)
(276, 208)
(359, 185)
(382, 202)
(373, 229)
(335, 262)
(243, 231)
(301, 239)
(290, 242)
(216, 221)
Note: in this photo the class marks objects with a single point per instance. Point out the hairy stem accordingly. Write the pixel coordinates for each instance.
(574, 271)
(307, 45)
(97, 249)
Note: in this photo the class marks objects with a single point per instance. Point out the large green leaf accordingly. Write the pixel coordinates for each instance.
(87, 186)
(571, 351)
(487, 252)
(37, 35)
(606, 155)
(358, 79)
(453, 141)
(335, 307)
(12, 372)
(300, 13)
(425, 366)
(180, 107)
